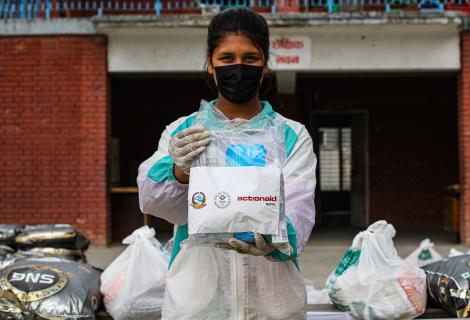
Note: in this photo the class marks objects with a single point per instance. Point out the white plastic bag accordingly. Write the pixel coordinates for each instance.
(315, 296)
(134, 283)
(425, 254)
(373, 282)
(455, 252)
(328, 315)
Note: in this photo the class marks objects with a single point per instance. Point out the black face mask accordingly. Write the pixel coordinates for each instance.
(238, 83)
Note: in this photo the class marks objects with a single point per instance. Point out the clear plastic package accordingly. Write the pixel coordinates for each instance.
(258, 142)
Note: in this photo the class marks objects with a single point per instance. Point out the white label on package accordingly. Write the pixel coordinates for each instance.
(234, 199)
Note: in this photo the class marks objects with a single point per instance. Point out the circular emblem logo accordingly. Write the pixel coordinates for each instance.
(222, 200)
(35, 282)
(198, 200)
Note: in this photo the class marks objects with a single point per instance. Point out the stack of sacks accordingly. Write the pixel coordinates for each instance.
(53, 239)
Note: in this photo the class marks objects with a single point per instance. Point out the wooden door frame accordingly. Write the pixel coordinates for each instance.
(365, 114)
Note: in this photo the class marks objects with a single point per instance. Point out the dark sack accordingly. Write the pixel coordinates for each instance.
(49, 287)
(6, 258)
(12, 309)
(72, 254)
(5, 250)
(51, 236)
(8, 233)
(448, 284)
(9, 258)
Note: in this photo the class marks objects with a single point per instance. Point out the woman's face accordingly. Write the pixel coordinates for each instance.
(236, 49)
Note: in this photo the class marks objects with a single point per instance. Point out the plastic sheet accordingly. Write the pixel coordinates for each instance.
(239, 142)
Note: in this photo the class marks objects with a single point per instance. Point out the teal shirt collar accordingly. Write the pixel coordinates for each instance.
(267, 108)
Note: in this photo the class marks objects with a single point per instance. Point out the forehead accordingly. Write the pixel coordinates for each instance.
(236, 43)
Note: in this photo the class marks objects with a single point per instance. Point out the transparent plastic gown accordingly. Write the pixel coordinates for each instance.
(204, 282)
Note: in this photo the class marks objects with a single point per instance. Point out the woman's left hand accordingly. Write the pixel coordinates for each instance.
(260, 248)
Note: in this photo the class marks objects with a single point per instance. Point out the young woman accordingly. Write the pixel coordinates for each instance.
(236, 280)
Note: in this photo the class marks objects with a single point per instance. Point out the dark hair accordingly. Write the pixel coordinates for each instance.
(239, 21)
(246, 22)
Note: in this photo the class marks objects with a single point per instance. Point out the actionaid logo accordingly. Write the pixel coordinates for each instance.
(254, 199)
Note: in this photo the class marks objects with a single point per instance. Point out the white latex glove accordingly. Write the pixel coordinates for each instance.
(261, 248)
(187, 145)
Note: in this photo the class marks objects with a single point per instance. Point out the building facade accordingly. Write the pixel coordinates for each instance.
(85, 93)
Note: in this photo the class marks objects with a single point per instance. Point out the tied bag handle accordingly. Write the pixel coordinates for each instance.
(379, 227)
(144, 232)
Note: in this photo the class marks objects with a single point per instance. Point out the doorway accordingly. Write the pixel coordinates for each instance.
(341, 150)
(142, 106)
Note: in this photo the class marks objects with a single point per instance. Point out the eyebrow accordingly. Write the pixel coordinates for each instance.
(231, 53)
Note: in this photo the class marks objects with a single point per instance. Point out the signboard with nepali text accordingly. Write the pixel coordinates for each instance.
(290, 52)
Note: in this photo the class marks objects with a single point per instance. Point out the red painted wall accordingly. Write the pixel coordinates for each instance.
(54, 128)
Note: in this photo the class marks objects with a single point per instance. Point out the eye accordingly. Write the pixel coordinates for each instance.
(226, 58)
(252, 58)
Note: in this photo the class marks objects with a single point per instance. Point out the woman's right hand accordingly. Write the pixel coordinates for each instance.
(186, 146)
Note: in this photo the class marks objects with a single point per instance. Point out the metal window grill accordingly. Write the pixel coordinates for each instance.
(335, 159)
(47, 9)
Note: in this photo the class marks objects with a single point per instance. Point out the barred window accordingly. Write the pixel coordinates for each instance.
(335, 159)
